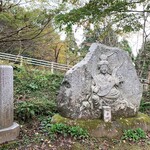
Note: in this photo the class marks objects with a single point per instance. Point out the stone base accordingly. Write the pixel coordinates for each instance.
(10, 133)
(114, 129)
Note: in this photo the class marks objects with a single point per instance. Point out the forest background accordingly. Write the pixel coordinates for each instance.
(34, 28)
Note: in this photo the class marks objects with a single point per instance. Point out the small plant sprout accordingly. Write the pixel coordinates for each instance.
(134, 134)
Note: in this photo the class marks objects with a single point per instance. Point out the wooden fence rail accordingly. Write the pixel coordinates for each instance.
(37, 62)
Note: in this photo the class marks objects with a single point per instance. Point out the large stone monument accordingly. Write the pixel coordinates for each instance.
(105, 77)
(9, 130)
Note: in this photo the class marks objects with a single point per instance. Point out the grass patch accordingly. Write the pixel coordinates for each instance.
(134, 134)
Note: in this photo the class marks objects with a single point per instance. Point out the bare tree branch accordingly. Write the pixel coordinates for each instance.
(13, 33)
(7, 38)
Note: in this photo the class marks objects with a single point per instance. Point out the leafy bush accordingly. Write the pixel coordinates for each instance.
(35, 92)
(134, 134)
(144, 106)
(78, 132)
(36, 83)
(52, 130)
(27, 110)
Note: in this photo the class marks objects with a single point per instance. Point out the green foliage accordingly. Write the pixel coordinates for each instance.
(105, 35)
(134, 134)
(143, 60)
(78, 132)
(35, 92)
(97, 11)
(125, 45)
(144, 106)
(27, 110)
(24, 28)
(36, 83)
(52, 130)
(142, 64)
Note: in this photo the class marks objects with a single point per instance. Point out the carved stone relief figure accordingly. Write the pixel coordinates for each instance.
(105, 87)
(105, 77)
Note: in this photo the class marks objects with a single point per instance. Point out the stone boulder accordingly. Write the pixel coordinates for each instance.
(105, 77)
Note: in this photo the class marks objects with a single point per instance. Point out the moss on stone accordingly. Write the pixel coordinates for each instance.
(99, 128)
(86, 124)
(59, 119)
(133, 122)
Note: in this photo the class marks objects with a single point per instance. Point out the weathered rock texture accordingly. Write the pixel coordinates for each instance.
(6, 96)
(105, 77)
(8, 129)
(114, 129)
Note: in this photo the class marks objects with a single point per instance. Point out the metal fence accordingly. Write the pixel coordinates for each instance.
(37, 62)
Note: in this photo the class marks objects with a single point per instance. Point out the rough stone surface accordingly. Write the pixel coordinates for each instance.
(114, 129)
(10, 133)
(105, 77)
(6, 96)
(8, 129)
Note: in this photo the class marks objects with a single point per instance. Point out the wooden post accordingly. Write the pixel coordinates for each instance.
(21, 60)
(52, 67)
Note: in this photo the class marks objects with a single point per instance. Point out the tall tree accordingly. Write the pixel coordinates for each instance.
(125, 45)
(109, 17)
(122, 13)
(72, 51)
(143, 61)
(20, 26)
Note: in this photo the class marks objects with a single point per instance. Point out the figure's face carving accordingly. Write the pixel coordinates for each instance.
(103, 69)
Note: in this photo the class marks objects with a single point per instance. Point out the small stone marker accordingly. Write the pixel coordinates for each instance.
(8, 129)
(107, 114)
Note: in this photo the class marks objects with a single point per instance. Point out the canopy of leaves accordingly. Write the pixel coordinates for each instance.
(19, 26)
(122, 13)
(29, 30)
(125, 45)
(143, 61)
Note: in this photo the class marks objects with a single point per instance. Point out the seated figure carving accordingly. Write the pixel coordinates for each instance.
(105, 85)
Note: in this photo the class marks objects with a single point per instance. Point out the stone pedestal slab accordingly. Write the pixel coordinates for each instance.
(114, 129)
(10, 133)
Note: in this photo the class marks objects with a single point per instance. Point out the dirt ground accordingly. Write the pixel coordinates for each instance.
(32, 138)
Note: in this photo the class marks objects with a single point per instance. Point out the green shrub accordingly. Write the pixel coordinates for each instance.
(78, 132)
(134, 134)
(27, 110)
(35, 92)
(53, 130)
(36, 83)
(144, 106)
